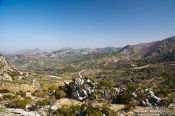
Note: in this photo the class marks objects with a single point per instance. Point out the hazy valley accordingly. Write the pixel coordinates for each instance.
(109, 81)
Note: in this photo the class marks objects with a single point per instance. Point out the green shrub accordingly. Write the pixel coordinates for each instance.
(41, 94)
(132, 104)
(132, 87)
(104, 83)
(107, 111)
(2, 109)
(84, 110)
(63, 112)
(123, 98)
(21, 93)
(4, 91)
(20, 103)
(91, 111)
(17, 103)
(8, 97)
(60, 94)
(42, 102)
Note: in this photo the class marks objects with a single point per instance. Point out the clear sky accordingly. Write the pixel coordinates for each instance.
(54, 24)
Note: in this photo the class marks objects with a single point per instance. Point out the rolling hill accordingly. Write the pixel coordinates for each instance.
(158, 49)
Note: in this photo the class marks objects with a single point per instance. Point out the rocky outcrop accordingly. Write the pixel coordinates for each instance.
(91, 91)
(7, 73)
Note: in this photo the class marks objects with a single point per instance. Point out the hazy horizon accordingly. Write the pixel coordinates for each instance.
(56, 24)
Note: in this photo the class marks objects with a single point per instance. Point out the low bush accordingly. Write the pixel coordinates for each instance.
(104, 83)
(41, 94)
(123, 98)
(20, 103)
(8, 97)
(17, 103)
(132, 104)
(42, 102)
(60, 94)
(21, 93)
(84, 110)
(4, 91)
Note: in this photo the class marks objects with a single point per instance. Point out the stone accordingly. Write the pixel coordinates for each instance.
(30, 107)
(28, 94)
(171, 105)
(7, 77)
(22, 112)
(36, 84)
(134, 95)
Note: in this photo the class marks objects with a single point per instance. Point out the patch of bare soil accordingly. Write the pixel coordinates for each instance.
(65, 103)
(116, 107)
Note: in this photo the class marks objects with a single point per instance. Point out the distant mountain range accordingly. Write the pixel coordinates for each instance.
(134, 52)
(36, 59)
(150, 50)
(143, 50)
(29, 51)
(86, 51)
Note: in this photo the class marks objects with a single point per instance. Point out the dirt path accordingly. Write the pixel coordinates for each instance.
(80, 74)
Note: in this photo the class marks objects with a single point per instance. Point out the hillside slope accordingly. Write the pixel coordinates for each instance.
(158, 49)
(6, 71)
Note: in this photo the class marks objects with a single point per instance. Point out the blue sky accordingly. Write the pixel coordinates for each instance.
(54, 24)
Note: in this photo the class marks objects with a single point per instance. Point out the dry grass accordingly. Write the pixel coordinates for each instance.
(14, 87)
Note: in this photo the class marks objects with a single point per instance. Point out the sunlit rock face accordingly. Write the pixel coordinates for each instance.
(7, 73)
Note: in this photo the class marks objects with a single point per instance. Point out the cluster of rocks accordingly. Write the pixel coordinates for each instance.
(154, 100)
(81, 89)
(150, 98)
